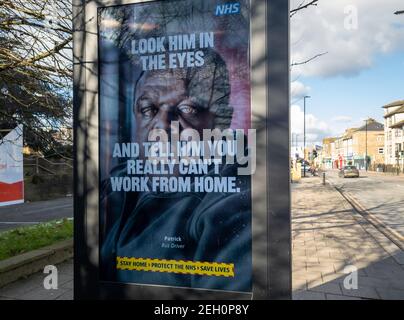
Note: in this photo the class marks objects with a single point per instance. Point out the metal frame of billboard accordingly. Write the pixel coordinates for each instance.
(271, 225)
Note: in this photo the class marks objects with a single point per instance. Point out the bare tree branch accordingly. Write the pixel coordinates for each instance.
(36, 68)
(308, 60)
(302, 6)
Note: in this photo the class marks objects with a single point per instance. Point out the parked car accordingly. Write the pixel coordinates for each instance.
(349, 172)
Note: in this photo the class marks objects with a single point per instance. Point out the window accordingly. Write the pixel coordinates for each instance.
(381, 150)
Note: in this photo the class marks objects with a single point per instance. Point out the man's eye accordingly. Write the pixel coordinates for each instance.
(148, 111)
(185, 109)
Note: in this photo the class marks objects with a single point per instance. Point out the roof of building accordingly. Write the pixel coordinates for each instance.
(398, 110)
(372, 125)
(394, 104)
(397, 125)
(348, 133)
(329, 140)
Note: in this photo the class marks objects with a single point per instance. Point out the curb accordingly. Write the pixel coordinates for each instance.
(383, 174)
(31, 262)
(388, 232)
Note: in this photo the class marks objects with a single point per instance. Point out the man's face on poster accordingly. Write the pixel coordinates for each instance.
(196, 98)
(164, 97)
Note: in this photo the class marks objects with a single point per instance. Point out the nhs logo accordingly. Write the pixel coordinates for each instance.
(227, 8)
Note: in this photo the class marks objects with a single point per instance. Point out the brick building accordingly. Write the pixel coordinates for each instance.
(355, 146)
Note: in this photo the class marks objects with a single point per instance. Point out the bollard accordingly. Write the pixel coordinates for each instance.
(324, 178)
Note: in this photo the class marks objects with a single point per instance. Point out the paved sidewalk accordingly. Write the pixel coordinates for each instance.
(329, 235)
(382, 174)
(32, 287)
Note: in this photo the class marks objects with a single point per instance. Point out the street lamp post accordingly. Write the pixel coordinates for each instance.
(366, 146)
(304, 135)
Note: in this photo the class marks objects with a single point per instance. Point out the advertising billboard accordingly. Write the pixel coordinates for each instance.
(11, 168)
(174, 119)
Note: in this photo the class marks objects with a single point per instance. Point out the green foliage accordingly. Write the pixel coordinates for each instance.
(21, 240)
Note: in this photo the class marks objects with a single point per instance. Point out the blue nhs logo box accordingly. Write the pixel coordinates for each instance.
(227, 8)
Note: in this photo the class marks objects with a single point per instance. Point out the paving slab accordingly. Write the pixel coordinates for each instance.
(308, 295)
(32, 288)
(333, 288)
(340, 297)
(328, 235)
(390, 294)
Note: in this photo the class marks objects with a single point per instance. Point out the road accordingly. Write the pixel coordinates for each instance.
(31, 213)
(382, 196)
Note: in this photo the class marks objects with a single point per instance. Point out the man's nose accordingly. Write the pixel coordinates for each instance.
(163, 120)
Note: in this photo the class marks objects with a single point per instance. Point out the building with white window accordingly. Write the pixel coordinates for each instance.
(393, 133)
(362, 147)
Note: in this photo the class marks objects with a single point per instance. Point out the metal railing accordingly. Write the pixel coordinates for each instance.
(41, 164)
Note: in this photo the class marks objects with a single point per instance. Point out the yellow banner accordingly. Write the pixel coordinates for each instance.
(176, 266)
